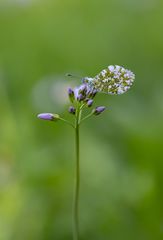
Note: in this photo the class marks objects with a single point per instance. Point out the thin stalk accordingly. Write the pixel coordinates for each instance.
(89, 115)
(77, 181)
(66, 121)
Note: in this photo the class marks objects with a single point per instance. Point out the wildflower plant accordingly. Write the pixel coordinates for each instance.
(112, 80)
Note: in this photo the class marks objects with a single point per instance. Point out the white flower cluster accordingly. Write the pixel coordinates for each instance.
(113, 80)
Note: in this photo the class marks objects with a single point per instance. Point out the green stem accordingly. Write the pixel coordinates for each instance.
(89, 115)
(64, 120)
(77, 180)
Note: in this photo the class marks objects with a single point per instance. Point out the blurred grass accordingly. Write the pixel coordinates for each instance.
(121, 195)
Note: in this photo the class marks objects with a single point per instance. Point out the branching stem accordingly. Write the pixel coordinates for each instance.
(66, 121)
(89, 115)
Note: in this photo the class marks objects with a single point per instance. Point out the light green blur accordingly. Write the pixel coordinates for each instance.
(121, 194)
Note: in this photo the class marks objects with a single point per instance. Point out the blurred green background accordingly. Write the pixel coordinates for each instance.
(121, 150)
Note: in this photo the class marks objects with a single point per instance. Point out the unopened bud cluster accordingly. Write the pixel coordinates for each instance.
(83, 95)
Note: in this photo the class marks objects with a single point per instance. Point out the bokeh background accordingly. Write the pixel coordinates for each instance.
(121, 150)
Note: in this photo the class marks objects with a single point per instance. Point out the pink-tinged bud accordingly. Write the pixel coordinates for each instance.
(48, 116)
(98, 110)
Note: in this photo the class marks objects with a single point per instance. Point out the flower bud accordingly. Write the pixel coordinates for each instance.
(83, 89)
(72, 110)
(89, 102)
(92, 93)
(48, 116)
(71, 94)
(98, 110)
(80, 97)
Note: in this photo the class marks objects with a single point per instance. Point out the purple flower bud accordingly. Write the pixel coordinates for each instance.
(48, 116)
(71, 94)
(80, 97)
(70, 91)
(89, 102)
(91, 93)
(72, 110)
(83, 89)
(98, 110)
(94, 92)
